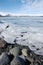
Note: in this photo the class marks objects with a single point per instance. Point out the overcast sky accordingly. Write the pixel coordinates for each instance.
(22, 6)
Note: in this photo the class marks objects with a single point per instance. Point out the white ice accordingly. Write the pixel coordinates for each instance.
(31, 36)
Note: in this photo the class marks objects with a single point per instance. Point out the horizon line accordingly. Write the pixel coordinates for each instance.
(18, 14)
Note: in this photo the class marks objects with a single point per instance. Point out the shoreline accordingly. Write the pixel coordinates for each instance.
(25, 43)
(30, 53)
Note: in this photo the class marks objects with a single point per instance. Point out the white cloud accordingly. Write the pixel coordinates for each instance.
(3, 13)
(36, 8)
(28, 1)
(31, 6)
(23, 1)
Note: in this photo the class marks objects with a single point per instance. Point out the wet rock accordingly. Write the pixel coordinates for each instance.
(2, 43)
(16, 51)
(18, 61)
(4, 59)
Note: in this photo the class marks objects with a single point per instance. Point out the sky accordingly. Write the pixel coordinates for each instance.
(32, 7)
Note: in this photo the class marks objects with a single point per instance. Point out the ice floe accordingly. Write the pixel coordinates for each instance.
(28, 36)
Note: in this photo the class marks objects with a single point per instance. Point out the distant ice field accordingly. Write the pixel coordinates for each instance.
(26, 31)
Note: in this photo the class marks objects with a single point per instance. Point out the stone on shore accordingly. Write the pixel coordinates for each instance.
(2, 43)
(18, 61)
(24, 52)
(4, 59)
(16, 51)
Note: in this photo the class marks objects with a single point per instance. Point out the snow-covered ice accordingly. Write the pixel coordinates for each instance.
(31, 37)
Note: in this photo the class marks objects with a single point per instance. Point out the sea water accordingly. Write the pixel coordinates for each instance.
(26, 30)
